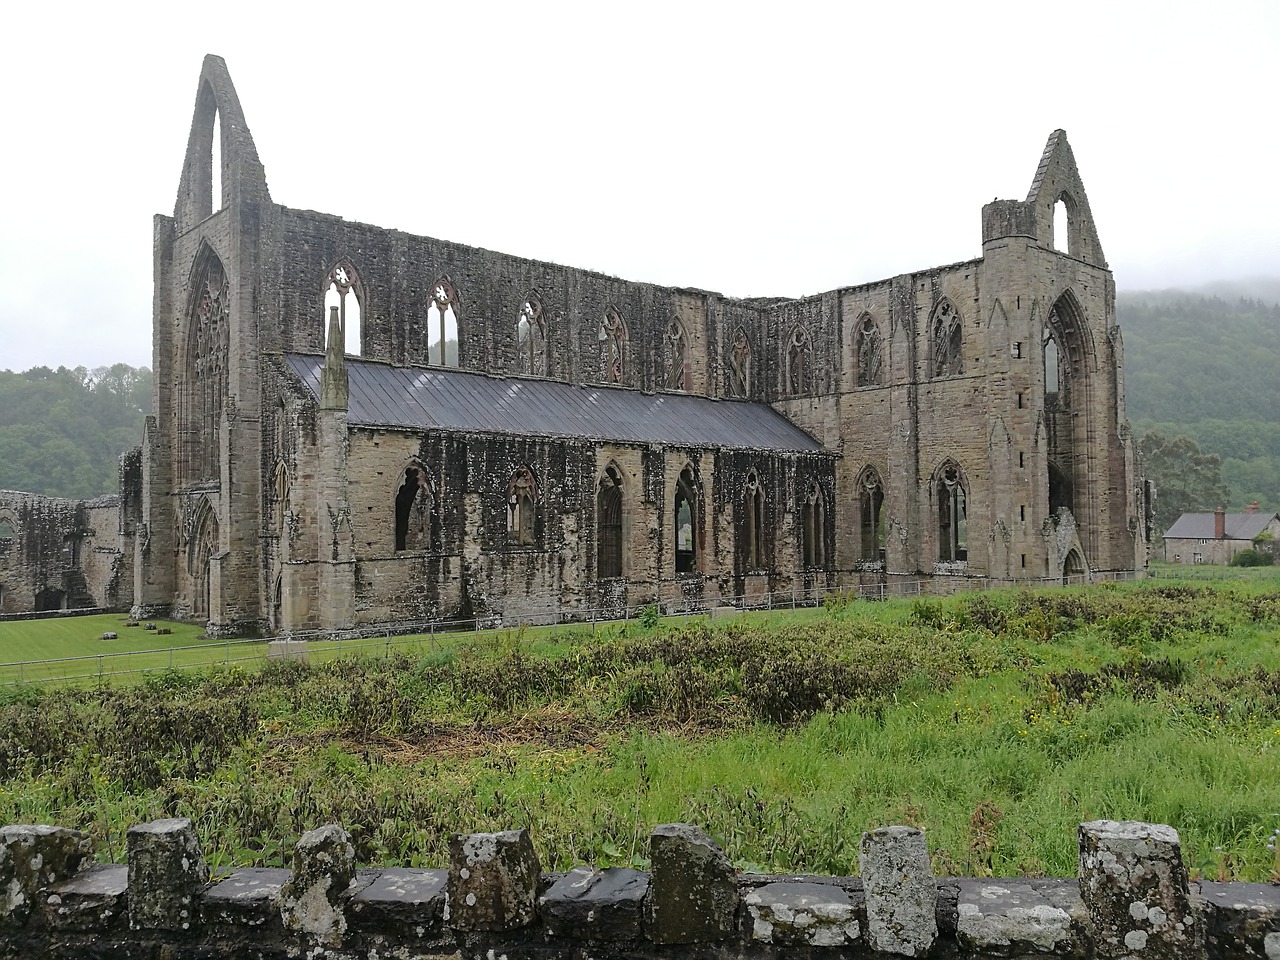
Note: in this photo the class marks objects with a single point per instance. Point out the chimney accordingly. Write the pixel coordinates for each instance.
(1252, 508)
(1219, 524)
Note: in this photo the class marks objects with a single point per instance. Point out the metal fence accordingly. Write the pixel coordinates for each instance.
(434, 635)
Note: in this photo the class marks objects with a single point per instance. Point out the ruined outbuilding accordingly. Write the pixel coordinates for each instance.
(356, 426)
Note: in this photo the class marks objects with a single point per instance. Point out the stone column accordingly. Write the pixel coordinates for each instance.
(323, 868)
(693, 889)
(902, 895)
(166, 871)
(493, 880)
(31, 859)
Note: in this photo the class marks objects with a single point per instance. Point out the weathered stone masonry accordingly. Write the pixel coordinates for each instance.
(1131, 898)
(961, 422)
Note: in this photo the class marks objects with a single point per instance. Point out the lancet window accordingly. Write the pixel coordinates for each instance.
(677, 357)
(613, 346)
(867, 347)
(531, 338)
(522, 501)
(814, 518)
(417, 520)
(870, 494)
(442, 324)
(342, 290)
(740, 365)
(948, 340)
(609, 524)
(953, 524)
(799, 362)
(686, 521)
(753, 522)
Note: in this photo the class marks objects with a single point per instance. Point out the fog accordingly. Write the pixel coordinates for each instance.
(749, 150)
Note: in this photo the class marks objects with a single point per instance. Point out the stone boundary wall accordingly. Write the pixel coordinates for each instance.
(1131, 898)
(53, 614)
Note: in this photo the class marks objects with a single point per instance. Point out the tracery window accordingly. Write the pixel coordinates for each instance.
(531, 338)
(522, 499)
(814, 517)
(202, 399)
(867, 347)
(740, 365)
(799, 362)
(609, 525)
(417, 520)
(870, 509)
(677, 359)
(686, 519)
(948, 356)
(442, 324)
(753, 522)
(953, 524)
(613, 345)
(342, 290)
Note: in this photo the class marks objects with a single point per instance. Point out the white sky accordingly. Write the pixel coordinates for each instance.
(754, 149)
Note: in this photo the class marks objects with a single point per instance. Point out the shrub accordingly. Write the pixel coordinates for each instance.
(1251, 558)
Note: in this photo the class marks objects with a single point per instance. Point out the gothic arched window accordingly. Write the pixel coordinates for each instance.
(609, 525)
(342, 290)
(531, 338)
(204, 394)
(522, 500)
(870, 520)
(867, 347)
(6, 529)
(753, 522)
(948, 341)
(740, 365)
(677, 357)
(953, 507)
(613, 346)
(814, 516)
(799, 362)
(686, 519)
(417, 520)
(442, 324)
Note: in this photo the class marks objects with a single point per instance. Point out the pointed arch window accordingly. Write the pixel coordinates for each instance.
(687, 518)
(342, 290)
(522, 501)
(280, 494)
(6, 529)
(870, 515)
(947, 341)
(799, 362)
(814, 518)
(753, 523)
(417, 520)
(207, 349)
(677, 357)
(867, 348)
(531, 338)
(953, 507)
(609, 525)
(442, 324)
(613, 346)
(740, 365)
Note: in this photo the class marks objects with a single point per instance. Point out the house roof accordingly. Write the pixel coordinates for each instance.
(1199, 526)
(443, 398)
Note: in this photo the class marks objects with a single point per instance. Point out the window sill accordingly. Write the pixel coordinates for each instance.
(951, 568)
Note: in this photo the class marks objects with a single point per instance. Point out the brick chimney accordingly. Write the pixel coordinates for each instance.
(1219, 524)
(1252, 508)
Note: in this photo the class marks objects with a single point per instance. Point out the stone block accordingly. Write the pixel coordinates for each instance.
(33, 857)
(493, 881)
(693, 889)
(249, 897)
(1011, 918)
(795, 913)
(287, 650)
(90, 901)
(594, 904)
(902, 895)
(411, 899)
(1135, 888)
(1241, 919)
(323, 868)
(166, 871)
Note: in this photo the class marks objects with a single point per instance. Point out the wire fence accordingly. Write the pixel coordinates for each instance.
(435, 635)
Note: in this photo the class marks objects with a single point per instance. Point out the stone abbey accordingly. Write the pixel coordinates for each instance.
(357, 426)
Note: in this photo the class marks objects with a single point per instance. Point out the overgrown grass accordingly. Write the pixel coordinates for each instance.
(995, 721)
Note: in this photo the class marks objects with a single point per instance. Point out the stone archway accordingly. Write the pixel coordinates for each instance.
(1073, 567)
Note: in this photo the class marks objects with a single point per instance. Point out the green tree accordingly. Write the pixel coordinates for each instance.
(1186, 480)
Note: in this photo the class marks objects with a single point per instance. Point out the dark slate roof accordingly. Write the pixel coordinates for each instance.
(1199, 526)
(440, 398)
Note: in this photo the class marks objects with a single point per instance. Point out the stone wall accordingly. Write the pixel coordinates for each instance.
(58, 554)
(1131, 898)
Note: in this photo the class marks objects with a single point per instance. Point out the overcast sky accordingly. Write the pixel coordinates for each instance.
(754, 149)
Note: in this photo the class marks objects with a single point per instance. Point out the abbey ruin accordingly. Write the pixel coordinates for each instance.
(358, 426)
